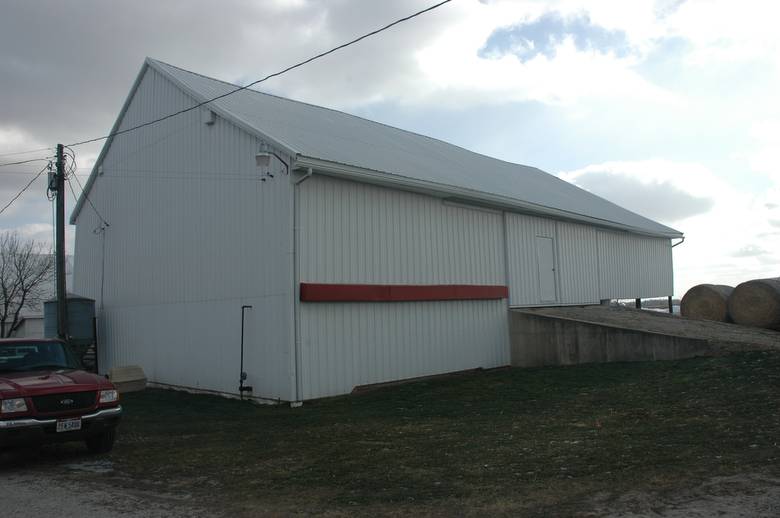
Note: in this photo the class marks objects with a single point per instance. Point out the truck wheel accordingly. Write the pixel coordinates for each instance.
(103, 442)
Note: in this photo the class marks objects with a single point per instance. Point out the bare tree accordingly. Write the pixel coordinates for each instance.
(26, 268)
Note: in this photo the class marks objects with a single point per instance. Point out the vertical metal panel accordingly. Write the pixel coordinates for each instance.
(358, 233)
(194, 235)
(578, 263)
(633, 266)
(592, 264)
(521, 232)
(349, 344)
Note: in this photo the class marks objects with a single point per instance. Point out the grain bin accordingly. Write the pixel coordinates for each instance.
(757, 303)
(707, 302)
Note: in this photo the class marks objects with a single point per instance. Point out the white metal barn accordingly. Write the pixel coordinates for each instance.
(371, 254)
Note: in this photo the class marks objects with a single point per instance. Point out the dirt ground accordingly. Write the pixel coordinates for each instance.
(85, 487)
(731, 337)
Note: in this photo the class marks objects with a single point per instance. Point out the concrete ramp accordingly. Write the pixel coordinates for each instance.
(591, 334)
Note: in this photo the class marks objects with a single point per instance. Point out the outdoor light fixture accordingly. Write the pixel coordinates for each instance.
(263, 159)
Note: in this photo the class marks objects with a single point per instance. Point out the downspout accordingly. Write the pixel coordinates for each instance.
(101, 309)
(296, 283)
(506, 258)
(671, 305)
(507, 283)
(242, 376)
(102, 268)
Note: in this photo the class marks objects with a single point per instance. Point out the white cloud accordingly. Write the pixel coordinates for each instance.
(692, 178)
(765, 157)
(435, 60)
(42, 233)
(724, 30)
(38, 231)
(570, 76)
(13, 139)
(451, 62)
(721, 244)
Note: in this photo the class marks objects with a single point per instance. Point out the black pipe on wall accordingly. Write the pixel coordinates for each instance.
(242, 376)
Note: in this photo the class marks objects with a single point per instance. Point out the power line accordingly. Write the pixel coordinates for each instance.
(73, 192)
(72, 173)
(86, 196)
(25, 188)
(275, 74)
(17, 172)
(25, 161)
(72, 155)
(26, 152)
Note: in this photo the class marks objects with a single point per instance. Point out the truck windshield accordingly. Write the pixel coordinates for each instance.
(29, 356)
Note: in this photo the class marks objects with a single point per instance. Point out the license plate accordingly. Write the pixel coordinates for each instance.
(69, 425)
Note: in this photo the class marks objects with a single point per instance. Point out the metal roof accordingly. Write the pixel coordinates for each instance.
(313, 134)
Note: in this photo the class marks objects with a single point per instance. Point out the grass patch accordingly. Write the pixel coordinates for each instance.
(534, 441)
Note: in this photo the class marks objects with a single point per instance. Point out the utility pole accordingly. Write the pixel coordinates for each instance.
(62, 308)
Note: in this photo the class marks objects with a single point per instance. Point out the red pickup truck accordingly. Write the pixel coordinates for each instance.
(46, 397)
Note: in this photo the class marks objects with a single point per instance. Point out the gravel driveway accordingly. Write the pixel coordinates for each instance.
(81, 487)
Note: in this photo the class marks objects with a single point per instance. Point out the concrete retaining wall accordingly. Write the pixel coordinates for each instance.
(542, 340)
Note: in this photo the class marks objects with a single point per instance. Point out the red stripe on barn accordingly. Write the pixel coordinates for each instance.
(399, 292)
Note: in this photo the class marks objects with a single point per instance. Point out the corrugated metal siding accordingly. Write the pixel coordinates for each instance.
(578, 263)
(591, 264)
(634, 266)
(194, 235)
(88, 252)
(349, 344)
(358, 233)
(521, 232)
(197, 344)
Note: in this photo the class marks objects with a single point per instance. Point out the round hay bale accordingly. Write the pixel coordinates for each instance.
(707, 302)
(756, 303)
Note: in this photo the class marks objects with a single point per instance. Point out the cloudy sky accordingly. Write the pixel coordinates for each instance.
(667, 107)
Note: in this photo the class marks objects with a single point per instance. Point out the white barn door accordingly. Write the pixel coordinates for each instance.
(545, 263)
(531, 260)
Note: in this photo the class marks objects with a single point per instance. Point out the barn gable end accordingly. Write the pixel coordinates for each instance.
(194, 234)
